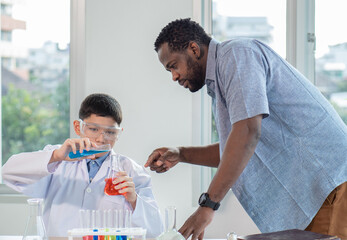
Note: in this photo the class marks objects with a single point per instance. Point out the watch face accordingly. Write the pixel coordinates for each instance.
(202, 198)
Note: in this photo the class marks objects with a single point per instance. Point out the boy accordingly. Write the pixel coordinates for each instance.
(68, 185)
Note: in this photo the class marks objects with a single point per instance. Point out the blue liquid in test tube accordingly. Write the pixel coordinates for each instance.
(85, 153)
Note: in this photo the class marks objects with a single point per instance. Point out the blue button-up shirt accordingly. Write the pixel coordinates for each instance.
(301, 155)
(94, 165)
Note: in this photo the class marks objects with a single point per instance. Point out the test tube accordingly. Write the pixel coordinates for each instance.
(108, 218)
(82, 214)
(93, 225)
(115, 218)
(98, 219)
(120, 218)
(127, 218)
(85, 222)
(87, 219)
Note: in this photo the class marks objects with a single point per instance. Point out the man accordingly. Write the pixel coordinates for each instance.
(282, 149)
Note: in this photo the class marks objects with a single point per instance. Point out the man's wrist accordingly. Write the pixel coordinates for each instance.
(205, 201)
(182, 154)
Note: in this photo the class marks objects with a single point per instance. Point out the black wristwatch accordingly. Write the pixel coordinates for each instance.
(205, 201)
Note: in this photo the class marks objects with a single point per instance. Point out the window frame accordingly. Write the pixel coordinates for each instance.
(77, 79)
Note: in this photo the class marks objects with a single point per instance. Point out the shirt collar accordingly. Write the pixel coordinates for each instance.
(211, 61)
(211, 68)
(99, 160)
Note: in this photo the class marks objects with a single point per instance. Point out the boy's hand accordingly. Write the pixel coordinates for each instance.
(126, 187)
(74, 145)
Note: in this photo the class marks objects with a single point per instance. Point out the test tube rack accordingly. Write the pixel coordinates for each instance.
(130, 233)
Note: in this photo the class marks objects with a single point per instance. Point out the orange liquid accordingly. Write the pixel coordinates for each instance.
(109, 187)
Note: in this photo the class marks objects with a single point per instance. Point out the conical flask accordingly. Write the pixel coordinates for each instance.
(35, 228)
(112, 175)
(170, 223)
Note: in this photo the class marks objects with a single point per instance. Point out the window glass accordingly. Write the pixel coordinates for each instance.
(331, 52)
(34, 52)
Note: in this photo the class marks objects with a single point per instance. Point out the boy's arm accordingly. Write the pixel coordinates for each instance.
(24, 169)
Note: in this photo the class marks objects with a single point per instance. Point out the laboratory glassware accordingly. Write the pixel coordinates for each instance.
(92, 150)
(232, 236)
(35, 228)
(170, 223)
(112, 175)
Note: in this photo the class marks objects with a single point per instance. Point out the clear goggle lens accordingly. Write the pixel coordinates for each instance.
(94, 130)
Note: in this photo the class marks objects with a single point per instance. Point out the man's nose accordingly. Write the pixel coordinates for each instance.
(175, 75)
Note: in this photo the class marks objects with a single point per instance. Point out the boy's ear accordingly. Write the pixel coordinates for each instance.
(76, 126)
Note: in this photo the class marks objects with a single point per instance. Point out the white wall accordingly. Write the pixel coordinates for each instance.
(120, 61)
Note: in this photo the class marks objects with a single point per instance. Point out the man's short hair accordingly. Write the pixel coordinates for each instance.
(102, 105)
(179, 33)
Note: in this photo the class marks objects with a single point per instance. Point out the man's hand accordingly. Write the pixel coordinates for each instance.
(196, 223)
(162, 159)
(126, 187)
(72, 144)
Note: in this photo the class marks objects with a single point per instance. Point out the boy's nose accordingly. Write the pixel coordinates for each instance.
(101, 137)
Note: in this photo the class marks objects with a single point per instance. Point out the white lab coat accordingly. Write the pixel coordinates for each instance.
(66, 189)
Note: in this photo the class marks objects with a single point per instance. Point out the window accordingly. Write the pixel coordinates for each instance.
(6, 36)
(35, 80)
(6, 9)
(331, 53)
(235, 19)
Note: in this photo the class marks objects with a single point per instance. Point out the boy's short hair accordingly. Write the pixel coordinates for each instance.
(102, 105)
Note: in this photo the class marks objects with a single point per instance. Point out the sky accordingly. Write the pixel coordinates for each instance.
(45, 20)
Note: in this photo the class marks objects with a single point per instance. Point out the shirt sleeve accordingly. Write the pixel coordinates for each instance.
(242, 72)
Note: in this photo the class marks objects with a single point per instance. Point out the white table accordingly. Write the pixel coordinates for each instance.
(20, 238)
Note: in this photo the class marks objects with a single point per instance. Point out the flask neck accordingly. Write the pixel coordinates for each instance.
(35, 207)
(170, 218)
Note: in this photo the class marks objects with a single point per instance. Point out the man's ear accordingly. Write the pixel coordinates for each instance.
(76, 126)
(195, 49)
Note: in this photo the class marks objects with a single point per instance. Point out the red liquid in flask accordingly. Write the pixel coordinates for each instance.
(109, 187)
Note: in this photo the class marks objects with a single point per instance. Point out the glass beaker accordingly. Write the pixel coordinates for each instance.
(112, 175)
(170, 224)
(35, 228)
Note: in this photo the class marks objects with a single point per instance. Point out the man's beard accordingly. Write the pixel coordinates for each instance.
(195, 76)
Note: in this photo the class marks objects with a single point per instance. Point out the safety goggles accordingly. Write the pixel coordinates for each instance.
(93, 130)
